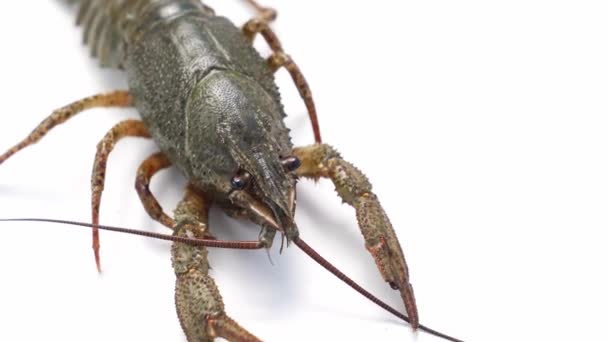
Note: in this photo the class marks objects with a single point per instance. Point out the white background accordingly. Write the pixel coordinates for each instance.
(482, 125)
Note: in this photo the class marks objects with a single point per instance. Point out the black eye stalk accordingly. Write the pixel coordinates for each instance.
(240, 180)
(291, 163)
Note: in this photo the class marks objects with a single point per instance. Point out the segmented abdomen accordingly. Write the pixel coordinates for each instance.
(110, 26)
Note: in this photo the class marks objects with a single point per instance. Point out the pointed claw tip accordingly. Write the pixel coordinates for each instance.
(97, 261)
(407, 294)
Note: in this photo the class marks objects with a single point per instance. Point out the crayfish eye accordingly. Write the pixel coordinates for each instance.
(291, 163)
(240, 181)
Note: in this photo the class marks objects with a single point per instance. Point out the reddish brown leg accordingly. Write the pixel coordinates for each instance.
(279, 59)
(147, 169)
(266, 13)
(128, 128)
(114, 99)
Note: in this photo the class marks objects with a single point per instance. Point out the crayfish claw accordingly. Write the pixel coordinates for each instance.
(321, 160)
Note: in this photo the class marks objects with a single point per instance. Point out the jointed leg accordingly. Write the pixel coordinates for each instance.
(128, 128)
(279, 59)
(147, 169)
(353, 187)
(266, 13)
(199, 304)
(282, 60)
(59, 116)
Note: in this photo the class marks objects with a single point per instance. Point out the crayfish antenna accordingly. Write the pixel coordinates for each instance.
(247, 245)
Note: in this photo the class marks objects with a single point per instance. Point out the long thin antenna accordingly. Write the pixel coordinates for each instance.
(331, 268)
(158, 236)
(247, 245)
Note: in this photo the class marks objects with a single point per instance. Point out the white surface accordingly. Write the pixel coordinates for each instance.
(482, 125)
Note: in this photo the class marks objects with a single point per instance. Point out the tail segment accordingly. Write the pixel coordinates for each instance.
(110, 25)
(106, 24)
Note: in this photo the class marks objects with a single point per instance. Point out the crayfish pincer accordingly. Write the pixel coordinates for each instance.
(209, 101)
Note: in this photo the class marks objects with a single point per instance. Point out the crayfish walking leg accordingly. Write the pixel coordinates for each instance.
(127, 128)
(146, 170)
(118, 98)
(279, 59)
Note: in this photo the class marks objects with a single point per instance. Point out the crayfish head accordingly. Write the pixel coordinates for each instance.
(266, 190)
(242, 147)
